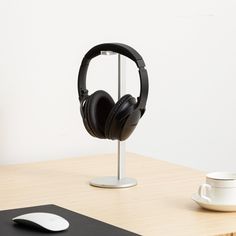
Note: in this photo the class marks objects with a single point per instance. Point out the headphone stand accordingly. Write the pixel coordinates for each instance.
(119, 181)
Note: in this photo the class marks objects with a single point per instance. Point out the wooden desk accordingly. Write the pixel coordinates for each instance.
(159, 205)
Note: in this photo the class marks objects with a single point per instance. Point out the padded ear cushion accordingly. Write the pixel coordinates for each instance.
(97, 108)
(113, 113)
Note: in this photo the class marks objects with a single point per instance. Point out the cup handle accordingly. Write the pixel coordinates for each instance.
(202, 191)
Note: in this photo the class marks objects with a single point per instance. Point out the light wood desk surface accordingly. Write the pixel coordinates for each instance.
(159, 205)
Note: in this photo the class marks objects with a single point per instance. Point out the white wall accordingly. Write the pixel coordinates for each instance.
(190, 51)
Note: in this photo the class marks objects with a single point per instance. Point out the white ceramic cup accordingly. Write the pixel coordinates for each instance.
(220, 187)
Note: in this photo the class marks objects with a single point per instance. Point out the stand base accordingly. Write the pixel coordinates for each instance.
(113, 182)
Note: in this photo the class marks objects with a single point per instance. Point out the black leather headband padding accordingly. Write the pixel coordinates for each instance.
(120, 48)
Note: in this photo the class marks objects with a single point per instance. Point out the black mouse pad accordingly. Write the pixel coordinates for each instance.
(80, 225)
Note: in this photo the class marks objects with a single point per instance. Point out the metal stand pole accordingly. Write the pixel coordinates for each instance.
(121, 92)
(119, 181)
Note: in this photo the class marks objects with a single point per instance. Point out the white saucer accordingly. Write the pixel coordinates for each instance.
(213, 206)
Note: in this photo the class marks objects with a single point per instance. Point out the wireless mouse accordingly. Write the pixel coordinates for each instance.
(45, 221)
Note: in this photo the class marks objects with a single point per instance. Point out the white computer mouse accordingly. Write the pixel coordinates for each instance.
(46, 221)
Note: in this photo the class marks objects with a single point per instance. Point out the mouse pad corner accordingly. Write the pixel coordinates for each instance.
(79, 224)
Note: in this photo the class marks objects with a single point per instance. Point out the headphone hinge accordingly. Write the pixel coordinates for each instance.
(82, 101)
(83, 94)
(140, 63)
(142, 110)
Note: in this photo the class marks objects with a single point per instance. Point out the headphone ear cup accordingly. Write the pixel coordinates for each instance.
(96, 109)
(122, 119)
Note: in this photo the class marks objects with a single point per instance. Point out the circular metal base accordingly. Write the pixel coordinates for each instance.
(113, 182)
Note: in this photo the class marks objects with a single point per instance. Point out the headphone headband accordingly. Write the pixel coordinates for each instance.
(120, 48)
(124, 50)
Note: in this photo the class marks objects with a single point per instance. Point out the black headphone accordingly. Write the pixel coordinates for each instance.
(102, 117)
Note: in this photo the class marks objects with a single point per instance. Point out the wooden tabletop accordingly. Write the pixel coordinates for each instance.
(159, 205)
